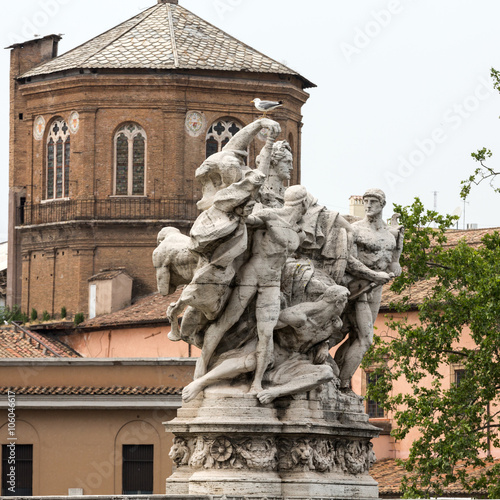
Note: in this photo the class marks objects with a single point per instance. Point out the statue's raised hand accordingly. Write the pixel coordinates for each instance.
(273, 127)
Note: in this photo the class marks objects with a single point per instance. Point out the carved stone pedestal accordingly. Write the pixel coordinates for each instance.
(227, 443)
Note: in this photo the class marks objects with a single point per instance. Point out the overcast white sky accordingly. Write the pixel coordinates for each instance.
(404, 93)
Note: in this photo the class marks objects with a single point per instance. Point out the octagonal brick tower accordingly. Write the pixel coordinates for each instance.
(106, 138)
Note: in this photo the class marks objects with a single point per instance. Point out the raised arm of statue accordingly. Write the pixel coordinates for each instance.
(241, 140)
(266, 153)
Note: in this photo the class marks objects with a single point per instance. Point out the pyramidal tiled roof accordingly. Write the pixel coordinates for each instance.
(166, 36)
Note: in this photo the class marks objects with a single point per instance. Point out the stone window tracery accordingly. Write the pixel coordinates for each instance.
(58, 160)
(130, 160)
(219, 134)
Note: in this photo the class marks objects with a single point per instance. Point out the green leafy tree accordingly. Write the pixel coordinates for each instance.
(484, 172)
(458, 423)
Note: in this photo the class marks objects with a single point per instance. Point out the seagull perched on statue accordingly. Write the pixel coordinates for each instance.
(267, 106)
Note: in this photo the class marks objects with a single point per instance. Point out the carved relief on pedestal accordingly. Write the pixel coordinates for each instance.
(325, 455)
(263, 453)
(258, 453)
(222, 452)
(179, 453)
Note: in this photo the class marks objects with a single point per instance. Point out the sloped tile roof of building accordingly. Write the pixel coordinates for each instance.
(150, 309)
(108, 274)
(419, 291)
(389, 474)
(92, 391)
(165, 37)
(33, 345)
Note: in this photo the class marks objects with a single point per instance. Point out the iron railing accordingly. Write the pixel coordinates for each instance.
(110, 209)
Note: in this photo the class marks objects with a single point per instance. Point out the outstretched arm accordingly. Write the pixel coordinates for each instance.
(241, 140)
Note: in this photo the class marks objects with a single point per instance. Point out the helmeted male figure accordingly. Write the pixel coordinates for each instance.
(374, 261)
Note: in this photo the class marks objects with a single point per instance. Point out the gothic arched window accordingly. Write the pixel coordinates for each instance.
(219, 134)
(130, 160)
(58, 160)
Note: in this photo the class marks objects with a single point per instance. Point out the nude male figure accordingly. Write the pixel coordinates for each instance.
(302, 337)
(373, 262)
(261, 277)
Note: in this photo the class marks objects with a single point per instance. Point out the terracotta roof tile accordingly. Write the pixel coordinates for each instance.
(150, 309)
(92, 391)
(166, 36)
(108, 274)
(17, 345)
(389, 474)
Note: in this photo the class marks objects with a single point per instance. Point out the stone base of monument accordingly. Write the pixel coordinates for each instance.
(315, 446)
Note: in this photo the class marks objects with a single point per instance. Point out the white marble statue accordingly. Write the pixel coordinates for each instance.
(260, 277)
(374, 261)
(301, 350)
(274, 279)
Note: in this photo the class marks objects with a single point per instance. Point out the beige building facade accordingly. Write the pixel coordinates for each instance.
(88, 423)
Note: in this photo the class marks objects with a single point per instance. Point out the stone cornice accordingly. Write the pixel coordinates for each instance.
(91, 402)
(237, 83)
(39, 362)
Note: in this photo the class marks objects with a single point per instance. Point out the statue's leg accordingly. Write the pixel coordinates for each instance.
(374, 299)
(193, 322)
(173, 312)
(267, 313)
(341, 352)
(239, 300)
(359, 345)
(314, 376)
(228, 369)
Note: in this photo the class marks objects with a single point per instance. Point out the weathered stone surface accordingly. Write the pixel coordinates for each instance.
(233, 445)
(278, 281)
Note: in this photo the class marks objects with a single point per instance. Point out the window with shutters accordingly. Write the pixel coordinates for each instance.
(17, 481)
(373, 409)
(138, 469)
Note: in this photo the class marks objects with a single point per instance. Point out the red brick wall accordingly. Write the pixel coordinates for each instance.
(159, 104)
